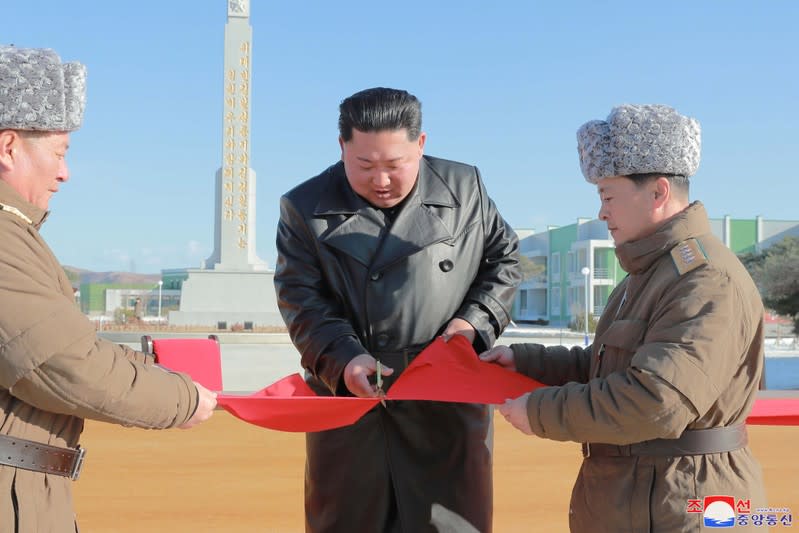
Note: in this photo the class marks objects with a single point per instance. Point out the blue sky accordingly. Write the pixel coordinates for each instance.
(504, 85)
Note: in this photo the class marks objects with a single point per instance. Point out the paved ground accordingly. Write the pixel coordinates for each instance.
(229, 476)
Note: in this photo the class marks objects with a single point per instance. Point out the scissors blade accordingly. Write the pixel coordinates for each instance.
(379, 382)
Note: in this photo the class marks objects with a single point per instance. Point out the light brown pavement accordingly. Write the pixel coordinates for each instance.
(229, 476)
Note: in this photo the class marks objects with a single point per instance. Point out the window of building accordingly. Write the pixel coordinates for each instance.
(573, 295)
(523, 301)
(555, 300)
(556, 264)
(601, 263)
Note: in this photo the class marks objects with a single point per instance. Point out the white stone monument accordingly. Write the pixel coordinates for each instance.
(233, 285)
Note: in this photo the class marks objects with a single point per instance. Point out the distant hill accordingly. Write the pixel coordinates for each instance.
(80, 275)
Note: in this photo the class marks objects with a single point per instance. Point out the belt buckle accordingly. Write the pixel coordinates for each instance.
(77, 464)
(586, 450)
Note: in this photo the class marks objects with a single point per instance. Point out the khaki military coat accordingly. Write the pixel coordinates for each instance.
(55, 372)
(683, 349)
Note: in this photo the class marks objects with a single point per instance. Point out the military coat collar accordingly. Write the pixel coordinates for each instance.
(12, 203)
(637, 256)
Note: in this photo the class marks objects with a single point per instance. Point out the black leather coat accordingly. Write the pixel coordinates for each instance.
(349, 282)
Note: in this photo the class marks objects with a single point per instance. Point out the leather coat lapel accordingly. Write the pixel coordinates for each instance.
(353, 226)
(358, 229)
(357, 236)
(415, 228)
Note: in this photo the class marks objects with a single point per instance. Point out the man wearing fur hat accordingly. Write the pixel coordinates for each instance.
(659, 400)
(54, 371)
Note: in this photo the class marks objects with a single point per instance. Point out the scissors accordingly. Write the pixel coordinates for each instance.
(379, 383)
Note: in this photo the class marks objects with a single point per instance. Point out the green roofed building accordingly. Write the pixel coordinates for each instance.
(553, 291)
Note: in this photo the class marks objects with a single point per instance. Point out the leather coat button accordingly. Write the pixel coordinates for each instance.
(374, 276)
(446, 265)
(382, 340)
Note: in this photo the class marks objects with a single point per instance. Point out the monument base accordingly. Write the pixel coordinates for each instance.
(237, 297)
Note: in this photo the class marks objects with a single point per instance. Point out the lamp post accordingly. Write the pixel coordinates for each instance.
(586, 272)
(160, 284)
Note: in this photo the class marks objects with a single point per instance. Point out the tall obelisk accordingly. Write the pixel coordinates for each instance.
(234, 223)
(233, 286)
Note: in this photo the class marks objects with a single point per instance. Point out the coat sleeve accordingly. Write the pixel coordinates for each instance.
(552, 365)
(674, 377)
(51, 358)
(317, 322)
(135, 355)
(489, 301)
(95, 379)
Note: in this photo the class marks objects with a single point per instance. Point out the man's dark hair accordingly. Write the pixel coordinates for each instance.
(380, 109)
(678, 182)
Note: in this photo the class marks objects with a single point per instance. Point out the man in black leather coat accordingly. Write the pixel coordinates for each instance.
(378, 255)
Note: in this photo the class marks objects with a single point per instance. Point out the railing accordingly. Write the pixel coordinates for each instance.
(602, 273)
(597, 273)
(782, 342)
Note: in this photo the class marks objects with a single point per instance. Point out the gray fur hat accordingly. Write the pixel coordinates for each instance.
(639, 139)
(38, 92)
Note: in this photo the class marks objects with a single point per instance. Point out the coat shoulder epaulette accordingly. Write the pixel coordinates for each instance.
(688, 256)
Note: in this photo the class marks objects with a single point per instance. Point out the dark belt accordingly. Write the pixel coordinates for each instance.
(398, 360)
(691, 442)
(30, 455)
(404, 357)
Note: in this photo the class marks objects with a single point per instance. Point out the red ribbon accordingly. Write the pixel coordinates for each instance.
(444, 371)
(775, 412)
(291, 405)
